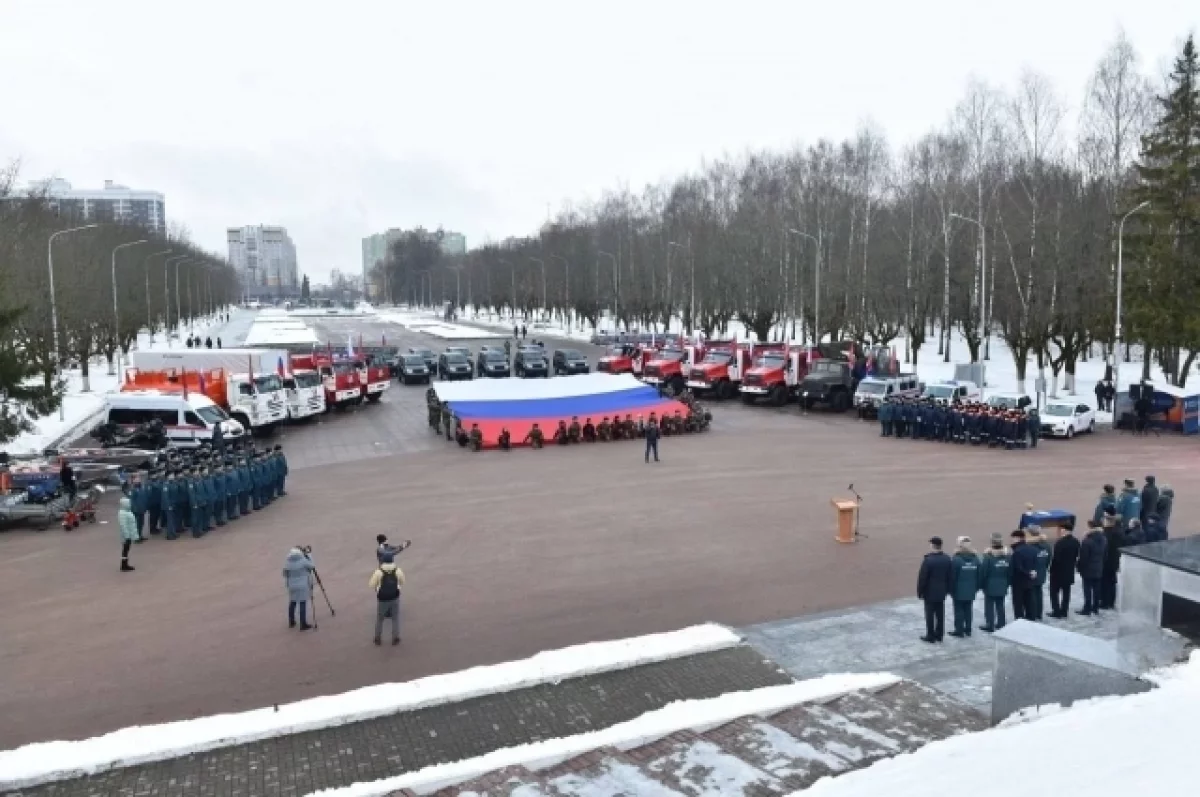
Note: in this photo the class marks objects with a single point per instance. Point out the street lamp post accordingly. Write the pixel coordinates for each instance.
(514, 285)
(817, 288)
(167, 295)
(566, 287)
(1116, 364)
(691, 279)
(149, 315)
(116, 312)
(542, 263)
(983, 327)
(616, 294)
(53, 303)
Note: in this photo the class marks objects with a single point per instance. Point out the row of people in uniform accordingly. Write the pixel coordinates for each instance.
(607, 430)
(199, 490)
(974, 423)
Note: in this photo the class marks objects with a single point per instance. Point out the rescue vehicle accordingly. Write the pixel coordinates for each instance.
(775, 374)
(245, 382)
(187, 420)
(623, 358)
(719, 374)
(340, 377)
(874, 390)
(952, 391)
(670, 365)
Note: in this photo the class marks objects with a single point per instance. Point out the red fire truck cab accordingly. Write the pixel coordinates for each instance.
(341, 377)
(622, 358)
(719, 373)
(775, 374)
(670, 366)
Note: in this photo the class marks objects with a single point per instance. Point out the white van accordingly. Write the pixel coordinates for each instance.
(188, 421)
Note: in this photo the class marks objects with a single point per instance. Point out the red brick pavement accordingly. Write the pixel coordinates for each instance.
(514, 553)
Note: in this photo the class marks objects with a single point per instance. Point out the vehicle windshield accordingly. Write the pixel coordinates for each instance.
(495, 357)
(456, 357)
(872, 388)
(670, 355)
(720, 356)
(343, 368)
(268, 383)
(533, 357)
(212, 414)
(1002, 402)
(458, 350)
(422, 352)
(616, 351)
(940, 391)
(1060, 410)
(414, 359)
(769, 361)
(307, 380)
(571, 354)
(826, 367)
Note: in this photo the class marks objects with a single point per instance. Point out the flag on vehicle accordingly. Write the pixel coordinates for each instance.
(201, 382)
(383, 340)
(350, 346)
(279, 367)
(184, 381)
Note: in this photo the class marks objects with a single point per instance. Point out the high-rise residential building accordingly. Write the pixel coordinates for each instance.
(113, 203)
(454, 243)
(265, 260)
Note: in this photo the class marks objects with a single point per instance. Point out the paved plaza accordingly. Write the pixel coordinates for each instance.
(513, 553)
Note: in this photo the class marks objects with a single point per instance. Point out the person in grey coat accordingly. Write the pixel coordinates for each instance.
(1166, 499)
(297, 570)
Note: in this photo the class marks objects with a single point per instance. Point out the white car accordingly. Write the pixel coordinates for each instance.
(1067, 419)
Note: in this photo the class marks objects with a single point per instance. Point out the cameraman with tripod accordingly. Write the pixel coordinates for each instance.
(296, 577)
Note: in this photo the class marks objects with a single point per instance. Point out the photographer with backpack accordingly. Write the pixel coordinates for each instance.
(386, 581)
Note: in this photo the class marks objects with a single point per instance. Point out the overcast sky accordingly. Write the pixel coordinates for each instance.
(339, 119)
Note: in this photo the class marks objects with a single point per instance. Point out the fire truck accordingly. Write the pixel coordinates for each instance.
(378, 376)
(775, 374)
(623, 358)
(341, 377)
(245, 382)
(719, 373)
(670, 365)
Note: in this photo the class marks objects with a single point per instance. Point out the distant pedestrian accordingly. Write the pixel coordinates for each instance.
(297, 577)
(129, 532)
(995, 576)
(652, 434)
(1108, 499)
(189, 341)
(218, 342)
(1035, 426)
(964, 583)
(516, 332)
(66, 480)
(1092, 555)
(386, 581)
(1149, 499)
(1101, 396)
(1024, 576)
(1166, 501)
(524, 332)
(1062, 572)
(218, 439)
(933, 586)
(208, 343)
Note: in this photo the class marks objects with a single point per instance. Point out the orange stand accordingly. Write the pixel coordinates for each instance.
(846, 514)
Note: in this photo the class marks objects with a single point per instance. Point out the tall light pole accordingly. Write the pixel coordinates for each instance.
(149, 315)
(691, 279)
(817, 288)
(116, 313)
(54, 305)
(566, 286)
(983, 327)
(616, 296)
(167, 295)
(542, 263)
(514, 285)
(1116, 364)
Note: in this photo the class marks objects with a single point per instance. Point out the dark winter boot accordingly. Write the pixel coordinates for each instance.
(125, 566)
(305, 627)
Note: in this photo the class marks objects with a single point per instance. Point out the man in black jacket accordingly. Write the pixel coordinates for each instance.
(1091, 567)
(933, 585)
(1114, 538)
(1062, 572)
(1024, 577)
(1149, 499)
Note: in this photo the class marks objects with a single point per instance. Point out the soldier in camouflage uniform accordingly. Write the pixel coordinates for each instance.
(604, 430)
(448, 422)
(476, 438)
(535, 438)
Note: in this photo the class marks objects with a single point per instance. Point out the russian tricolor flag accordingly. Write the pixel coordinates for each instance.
(516, 404)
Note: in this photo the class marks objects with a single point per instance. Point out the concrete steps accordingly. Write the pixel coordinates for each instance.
(752, 756)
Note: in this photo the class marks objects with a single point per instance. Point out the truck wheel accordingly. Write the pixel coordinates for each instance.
(244, 420)
(748, 399)
(724, 389)
(374, 398)
(778, 395)
(841, 402)
(807, 403)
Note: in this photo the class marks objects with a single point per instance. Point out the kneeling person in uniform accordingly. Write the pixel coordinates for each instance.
(536, 438)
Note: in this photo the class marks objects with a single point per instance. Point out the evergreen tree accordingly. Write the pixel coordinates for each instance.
(304, 289)
(1162, 277)
(23, 395)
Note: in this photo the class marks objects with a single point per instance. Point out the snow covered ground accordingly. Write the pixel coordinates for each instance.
(1107, 747)
(681, 715)
(50, 761)
(81, 408)
(434, 327)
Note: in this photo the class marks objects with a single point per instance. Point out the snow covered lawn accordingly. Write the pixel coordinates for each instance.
(50, 761)
(433, 326)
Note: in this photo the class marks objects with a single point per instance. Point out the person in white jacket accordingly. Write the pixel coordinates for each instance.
(129, 533)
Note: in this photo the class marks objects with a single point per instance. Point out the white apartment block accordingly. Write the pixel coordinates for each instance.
(111, 204)
(264, 258)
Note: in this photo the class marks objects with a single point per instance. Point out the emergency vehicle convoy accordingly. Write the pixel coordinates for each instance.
(623, 358)
(719, 373)
(246, 383)
(670, 366)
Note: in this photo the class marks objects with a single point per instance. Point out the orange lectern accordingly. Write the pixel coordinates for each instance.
(847, 515)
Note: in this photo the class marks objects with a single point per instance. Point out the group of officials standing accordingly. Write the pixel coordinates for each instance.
(197, 490)
(972, 422)
(1032, 561)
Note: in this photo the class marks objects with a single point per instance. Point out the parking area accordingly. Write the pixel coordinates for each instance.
(513, 553)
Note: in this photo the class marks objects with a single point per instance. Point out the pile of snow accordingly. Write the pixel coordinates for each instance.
(1140, 744)
(50, 761)
(653, 725)
(280, 330)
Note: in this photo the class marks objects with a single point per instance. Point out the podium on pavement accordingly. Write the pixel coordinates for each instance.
(847, 519)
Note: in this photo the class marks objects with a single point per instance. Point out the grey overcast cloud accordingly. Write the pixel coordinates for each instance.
(338, 120)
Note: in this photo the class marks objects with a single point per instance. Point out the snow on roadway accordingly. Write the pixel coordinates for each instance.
(434, 327)
(81, 408)
(43, 762)
(680, 715)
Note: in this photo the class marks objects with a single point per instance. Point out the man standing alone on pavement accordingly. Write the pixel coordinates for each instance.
(933, 585)
(1062, 572)
(964, 583)
(386, 581)
(652, 438)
